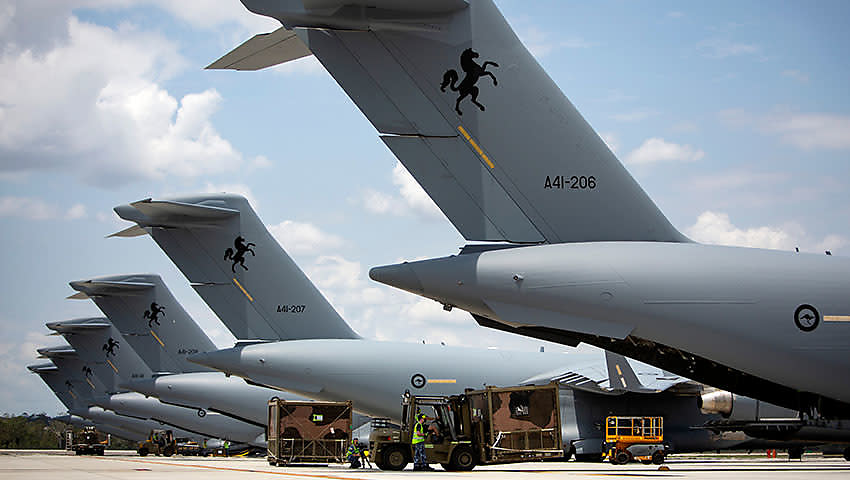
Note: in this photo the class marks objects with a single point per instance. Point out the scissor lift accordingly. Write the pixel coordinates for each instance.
(635, 438)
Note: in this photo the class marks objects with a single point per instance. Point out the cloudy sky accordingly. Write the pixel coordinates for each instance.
(735, 117)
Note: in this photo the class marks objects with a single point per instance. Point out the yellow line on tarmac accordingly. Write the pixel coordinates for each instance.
(231, 469)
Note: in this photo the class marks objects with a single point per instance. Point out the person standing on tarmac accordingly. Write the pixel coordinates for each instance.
(420, 461)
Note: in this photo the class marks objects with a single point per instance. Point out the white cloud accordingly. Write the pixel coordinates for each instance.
(92, 105)
(611, 140)
(76, 212)
(796, 75)
(717, 228)
(635, 116)
(32, 208)
(721, 47)
(541, 43)
(654, 150)
(411, 199)
(807, 131)
(300, 238)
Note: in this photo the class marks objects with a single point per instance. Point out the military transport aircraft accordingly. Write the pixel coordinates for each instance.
(291, 338)
(114, 362)
(79, 390)
(164, 339)
(506, 156)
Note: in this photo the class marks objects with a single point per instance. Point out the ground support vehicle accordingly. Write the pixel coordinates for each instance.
(159, 442)
(308, 432)
(188, 447)
(88, 442)
(478, 427)
(635, 438)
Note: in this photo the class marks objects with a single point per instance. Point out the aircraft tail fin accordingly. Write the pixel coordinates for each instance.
(143, 309)
(101, 348)
(238, 268)
(475, 119)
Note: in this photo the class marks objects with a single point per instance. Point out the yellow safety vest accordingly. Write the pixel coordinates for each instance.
(418, 433)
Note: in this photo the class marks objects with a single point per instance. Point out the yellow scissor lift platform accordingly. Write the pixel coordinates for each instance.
(635, 438)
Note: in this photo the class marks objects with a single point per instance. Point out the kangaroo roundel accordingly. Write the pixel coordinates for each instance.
(473, 72)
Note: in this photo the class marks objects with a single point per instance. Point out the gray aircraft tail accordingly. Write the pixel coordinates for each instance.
(474, 118)
(143, 309)
(102, 348)
(49, 373)
(237, 267)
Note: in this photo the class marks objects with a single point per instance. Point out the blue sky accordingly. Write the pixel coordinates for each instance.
(733, 116)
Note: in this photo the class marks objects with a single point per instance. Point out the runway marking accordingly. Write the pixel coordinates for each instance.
(232, 469)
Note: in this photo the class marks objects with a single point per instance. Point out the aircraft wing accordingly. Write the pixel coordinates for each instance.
(616, 377)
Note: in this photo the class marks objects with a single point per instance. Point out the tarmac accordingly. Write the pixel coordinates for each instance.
(48, 465)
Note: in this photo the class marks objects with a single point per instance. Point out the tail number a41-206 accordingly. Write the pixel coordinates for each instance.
(574, 182)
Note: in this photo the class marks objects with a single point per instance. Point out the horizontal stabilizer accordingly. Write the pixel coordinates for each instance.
(77, 296)
(134, 231)
(165, 210)
(262, 51)
(79, 325)
(111, 288)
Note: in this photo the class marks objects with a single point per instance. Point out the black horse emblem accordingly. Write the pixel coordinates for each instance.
(153, 314)
(110, 346)
(238, 256)
(87, 371)
(467, 86)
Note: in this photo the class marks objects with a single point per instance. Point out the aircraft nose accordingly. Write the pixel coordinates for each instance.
(400, 275)
(145, 386)
(226, 360)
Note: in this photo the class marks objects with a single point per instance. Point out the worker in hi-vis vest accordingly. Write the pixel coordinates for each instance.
(420, 461)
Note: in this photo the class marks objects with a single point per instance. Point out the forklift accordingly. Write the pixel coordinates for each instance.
(159, 442)
(490, 426)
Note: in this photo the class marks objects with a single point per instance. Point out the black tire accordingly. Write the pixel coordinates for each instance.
(447, 467)
(394, 458)
(590, 457)
(646, 462)
(847, 454)
(100, 451)
(168, 451)
(795, 453)
(78, 452)
(463, 459)
(658, 458)
(143, 452)
(622, 457)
